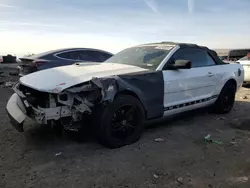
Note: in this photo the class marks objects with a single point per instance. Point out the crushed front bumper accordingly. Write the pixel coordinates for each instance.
(18, 109)
(16, 112)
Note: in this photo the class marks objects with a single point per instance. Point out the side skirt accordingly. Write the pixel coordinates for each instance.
(205, 100)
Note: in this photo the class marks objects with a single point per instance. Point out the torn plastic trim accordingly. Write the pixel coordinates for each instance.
(71, 96)
(43, 115)
(108, 93)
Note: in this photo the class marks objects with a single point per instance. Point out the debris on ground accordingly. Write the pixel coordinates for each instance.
(58, 154)
(159, 139)
(9, 84)
(221, 118)
(233, 143)
(242, 179)
(219, 130)
(180, 180)
(245, 97)
(156, 176)
(209, 140)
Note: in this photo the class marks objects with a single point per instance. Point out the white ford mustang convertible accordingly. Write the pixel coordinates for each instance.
(139, 83)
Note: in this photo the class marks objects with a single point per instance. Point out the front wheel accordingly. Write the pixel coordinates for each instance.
(121, 122)
(226, 99)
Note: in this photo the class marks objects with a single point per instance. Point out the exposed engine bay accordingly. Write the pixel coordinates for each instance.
(68, 106)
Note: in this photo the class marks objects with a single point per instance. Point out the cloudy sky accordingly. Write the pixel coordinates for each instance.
(32, 26)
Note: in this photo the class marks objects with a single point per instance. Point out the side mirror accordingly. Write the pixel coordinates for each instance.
(180, 64)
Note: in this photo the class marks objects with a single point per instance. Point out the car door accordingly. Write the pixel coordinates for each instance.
(189, 88)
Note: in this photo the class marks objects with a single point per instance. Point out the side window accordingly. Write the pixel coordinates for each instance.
(198, 57)
(65, 55)
(94, 56)
(86, 55)
(210, 61)
(72, 55)
(103, 56)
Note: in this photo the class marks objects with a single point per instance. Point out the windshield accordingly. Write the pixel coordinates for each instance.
(145, 56)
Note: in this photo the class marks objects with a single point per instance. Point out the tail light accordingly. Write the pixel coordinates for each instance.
(248, 56)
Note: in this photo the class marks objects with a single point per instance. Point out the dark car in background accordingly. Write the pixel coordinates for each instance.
(224, 57)
(236, 54)
(8, 59)
(60, 57)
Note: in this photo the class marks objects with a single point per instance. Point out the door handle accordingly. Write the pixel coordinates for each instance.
(210, 74)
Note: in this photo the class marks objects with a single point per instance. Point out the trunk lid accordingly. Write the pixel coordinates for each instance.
(28, 65)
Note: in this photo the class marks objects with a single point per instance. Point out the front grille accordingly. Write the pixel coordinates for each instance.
(34, 97)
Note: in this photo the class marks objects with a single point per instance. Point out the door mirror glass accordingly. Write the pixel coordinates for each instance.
(180, 64)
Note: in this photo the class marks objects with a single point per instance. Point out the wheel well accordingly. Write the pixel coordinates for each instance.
(127, 92)
(232, 81)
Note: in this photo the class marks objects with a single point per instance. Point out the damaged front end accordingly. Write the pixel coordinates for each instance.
(68, 107)
(73, 105)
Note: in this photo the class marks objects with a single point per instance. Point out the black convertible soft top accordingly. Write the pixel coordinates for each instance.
(212, 53)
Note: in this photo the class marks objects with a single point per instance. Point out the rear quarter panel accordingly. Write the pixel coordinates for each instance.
(226, 72)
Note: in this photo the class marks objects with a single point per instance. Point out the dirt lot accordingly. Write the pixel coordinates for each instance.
(181, 158)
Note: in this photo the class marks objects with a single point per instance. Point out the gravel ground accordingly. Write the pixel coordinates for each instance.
(178, 158)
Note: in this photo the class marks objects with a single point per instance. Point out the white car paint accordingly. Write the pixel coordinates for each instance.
(57, 79)
(195, 84)
(16, 108)
(182, 86)
(246, 66)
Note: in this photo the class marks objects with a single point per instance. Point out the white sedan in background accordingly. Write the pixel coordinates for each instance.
(245, 62)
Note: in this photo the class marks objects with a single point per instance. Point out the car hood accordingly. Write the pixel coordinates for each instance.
(57, 79)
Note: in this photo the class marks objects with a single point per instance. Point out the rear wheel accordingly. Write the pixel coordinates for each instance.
(120, 123)
(226, 99)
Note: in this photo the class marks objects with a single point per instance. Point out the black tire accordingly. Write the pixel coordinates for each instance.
(120, 123)
(225, 101)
